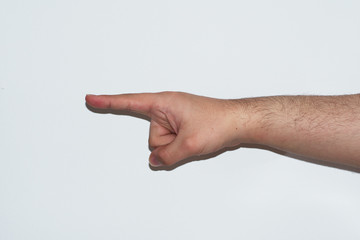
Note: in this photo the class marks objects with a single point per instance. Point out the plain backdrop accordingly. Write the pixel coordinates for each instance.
(69, 173)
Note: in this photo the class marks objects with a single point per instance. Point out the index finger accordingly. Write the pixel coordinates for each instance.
(136, 102)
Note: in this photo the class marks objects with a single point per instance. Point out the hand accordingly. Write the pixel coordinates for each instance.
(182, 125)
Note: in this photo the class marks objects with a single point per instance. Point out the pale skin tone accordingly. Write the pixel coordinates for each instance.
(184, 125)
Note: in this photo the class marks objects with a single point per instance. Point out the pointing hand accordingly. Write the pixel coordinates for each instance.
(182, 125)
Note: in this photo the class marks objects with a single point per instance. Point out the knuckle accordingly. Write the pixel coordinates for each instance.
(191, 144)
(171, 94)
(152, 141)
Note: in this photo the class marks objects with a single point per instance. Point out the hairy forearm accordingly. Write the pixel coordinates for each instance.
(322, 127)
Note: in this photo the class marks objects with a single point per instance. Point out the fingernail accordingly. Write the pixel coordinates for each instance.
(154, 161)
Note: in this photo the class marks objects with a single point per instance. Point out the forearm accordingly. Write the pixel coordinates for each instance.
(184, 125)
(322, 127)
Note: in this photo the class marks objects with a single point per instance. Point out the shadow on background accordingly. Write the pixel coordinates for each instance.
(212, 155)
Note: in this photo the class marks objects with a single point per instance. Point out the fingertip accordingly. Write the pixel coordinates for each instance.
(87, 96)
(95, 101)
(90, 95)
(154, 161)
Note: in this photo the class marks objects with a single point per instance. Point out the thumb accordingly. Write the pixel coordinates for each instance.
(179, 149)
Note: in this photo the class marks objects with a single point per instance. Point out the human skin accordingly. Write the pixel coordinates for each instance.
(184, 125)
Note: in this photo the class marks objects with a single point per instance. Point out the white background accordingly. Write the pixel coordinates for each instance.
(69, 173)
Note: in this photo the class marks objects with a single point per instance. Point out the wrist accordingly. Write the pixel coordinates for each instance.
(249, 116)
(241, 120)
